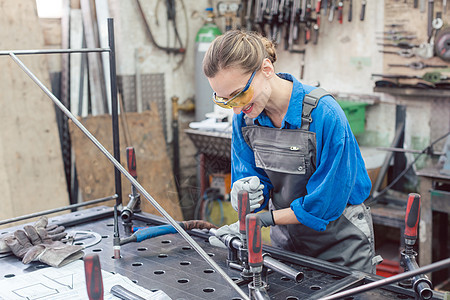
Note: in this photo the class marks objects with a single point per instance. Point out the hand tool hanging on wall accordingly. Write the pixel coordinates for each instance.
(350, 11)
(442, 44)
(433, 77)
(363, 10)
(171, 18)
(417, 65)
(403, 52)
(402, 45)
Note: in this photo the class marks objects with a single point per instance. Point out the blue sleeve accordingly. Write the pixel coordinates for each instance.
(338, 167)
(243, 159)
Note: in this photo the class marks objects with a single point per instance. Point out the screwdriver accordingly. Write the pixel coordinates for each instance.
(93, 274)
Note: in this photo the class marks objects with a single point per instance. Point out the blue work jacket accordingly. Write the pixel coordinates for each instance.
(340, 177)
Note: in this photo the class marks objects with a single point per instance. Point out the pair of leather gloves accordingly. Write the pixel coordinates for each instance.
(254, 188)
(41, 242)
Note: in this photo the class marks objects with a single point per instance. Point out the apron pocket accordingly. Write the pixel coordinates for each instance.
(280, 160)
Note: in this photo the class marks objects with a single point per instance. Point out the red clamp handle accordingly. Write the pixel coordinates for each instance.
(243, 209)
(93, 273)
(412, 217)
(254, 243)
(131, 161)
(318, 6)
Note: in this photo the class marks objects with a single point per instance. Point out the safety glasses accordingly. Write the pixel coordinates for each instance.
(239, 100)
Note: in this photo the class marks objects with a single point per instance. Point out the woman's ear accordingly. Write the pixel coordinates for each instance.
(267, 68)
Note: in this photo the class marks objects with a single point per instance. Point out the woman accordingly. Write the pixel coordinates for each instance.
(293, 151)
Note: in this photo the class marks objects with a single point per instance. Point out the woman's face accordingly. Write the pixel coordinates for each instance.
(229, 82)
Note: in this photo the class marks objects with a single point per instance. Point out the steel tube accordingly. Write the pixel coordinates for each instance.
(53, 51)
(421, 284)
(283, 268)
(51, 211)
(114, 110)
(396, 278)
(133, 181)
(269, 261)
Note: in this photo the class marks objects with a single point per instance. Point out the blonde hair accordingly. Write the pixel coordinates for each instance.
(237, 48)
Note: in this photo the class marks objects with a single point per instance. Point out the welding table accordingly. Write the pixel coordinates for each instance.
(168, 263)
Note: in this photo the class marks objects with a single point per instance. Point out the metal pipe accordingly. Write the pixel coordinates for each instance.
(133, 181)
(283, 268)
(421, 283)
(269, 261)
(54, 51)
(51, 211)
(396, 278)
(114, 110)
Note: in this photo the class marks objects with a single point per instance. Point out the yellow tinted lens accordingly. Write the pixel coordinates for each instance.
(241, 99)
(220, 101)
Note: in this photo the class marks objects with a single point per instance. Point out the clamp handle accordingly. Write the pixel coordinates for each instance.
(131, 161)
(254, 243)
(412, 218)
(93, 273)
(243, 209)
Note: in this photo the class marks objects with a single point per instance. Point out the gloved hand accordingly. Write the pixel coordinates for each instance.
(55, 232)
(34, 243)
(254, 188)
(232, 229)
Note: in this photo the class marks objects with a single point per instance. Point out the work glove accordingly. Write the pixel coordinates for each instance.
(232, 229)
(55, 232)
(254, 188)
(34, 244)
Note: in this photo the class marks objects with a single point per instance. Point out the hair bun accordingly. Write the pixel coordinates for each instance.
(270, 49)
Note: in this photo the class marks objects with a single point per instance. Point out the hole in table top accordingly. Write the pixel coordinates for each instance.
(186, 248)
(315, 287)
(166, 241)
(351, 297)
(141, 249)
(208, 290)
(97, 250)
(9, 275)
(159, 272)
(134, 281)
(208, 271)
(183, 280)
(284, 278)
(78, 243)
(236, 279)
(137, 264)
(211, 254)
(291, 298)
(185, 263)
(154, 291)
(115, 258)
(236, 298)
(105, 236)
(162, 255)
(110, 224)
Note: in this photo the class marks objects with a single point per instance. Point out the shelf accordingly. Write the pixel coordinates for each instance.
(411, 92)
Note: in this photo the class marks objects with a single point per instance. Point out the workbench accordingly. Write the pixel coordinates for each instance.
(170, 264)
(433, 199)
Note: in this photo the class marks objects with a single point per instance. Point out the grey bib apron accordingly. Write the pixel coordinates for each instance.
(288, 157)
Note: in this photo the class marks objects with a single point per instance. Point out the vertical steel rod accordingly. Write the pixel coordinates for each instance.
(114, 109)
(133, 181)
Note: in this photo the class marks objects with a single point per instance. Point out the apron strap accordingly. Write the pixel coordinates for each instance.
(310, 102)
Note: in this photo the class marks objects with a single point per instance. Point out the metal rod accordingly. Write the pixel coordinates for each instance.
(283, 269)
(53, 51)
(143, 192)
(51, 211)
(114, 110)
(396, 278)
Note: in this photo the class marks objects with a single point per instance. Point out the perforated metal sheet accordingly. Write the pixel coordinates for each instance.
(168, 263)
